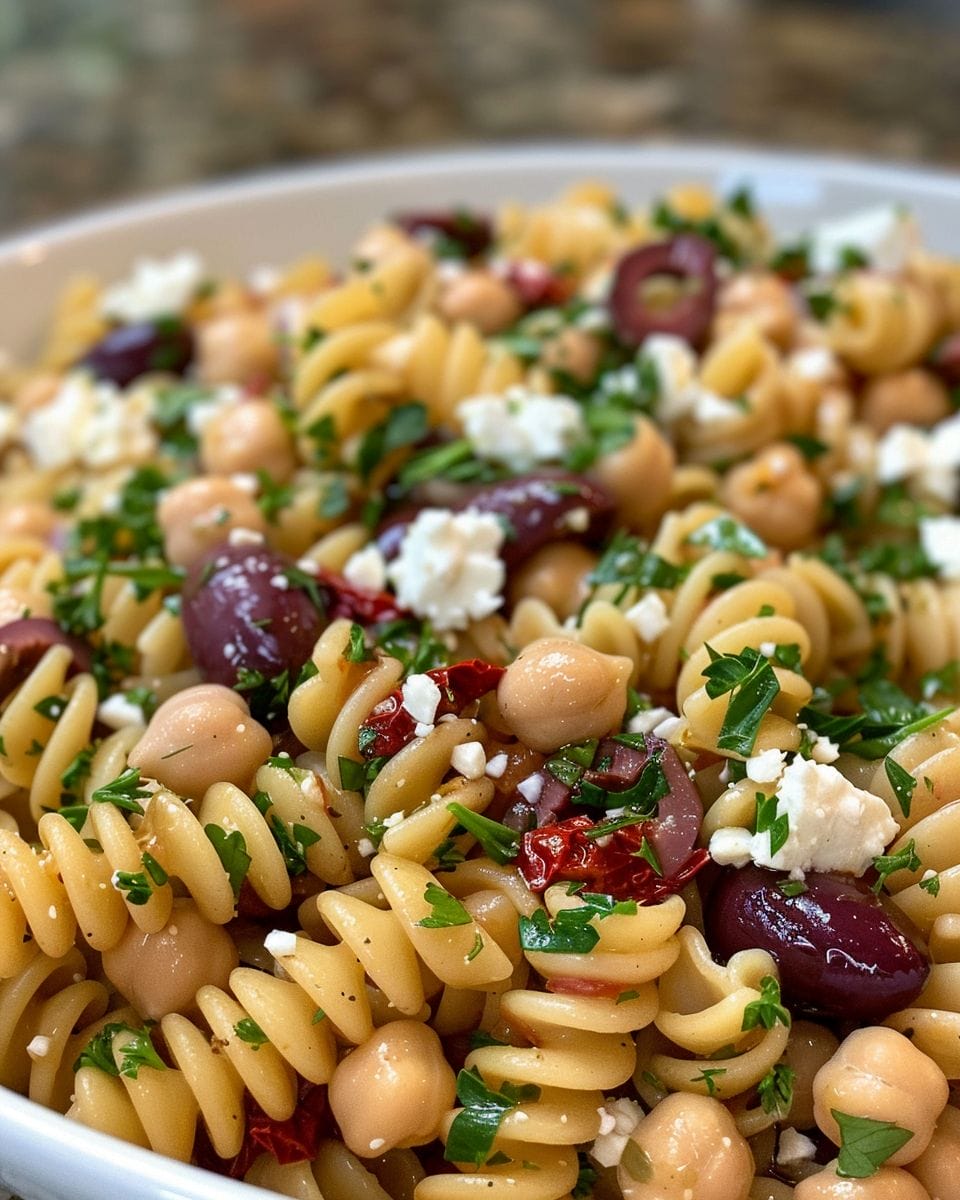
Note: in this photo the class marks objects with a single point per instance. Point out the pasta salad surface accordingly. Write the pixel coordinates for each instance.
(486, 717)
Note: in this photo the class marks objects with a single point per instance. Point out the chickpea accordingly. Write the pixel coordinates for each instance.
(639, 475)
(28, 518)
(880, 1074)
(236, 347)
(776, 496)
(557, 575)
(912, 397)
(809, 1047)
(557, 691)
(201, 736)
(687, 1146)
(245, 438)
(161, 973)
(575, 352)
(889, 1183)
(938, 1167)
(482, 300)
(197, 515)
(393, 1090)
(762, 298)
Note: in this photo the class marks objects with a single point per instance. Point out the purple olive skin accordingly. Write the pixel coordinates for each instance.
(129, 351)
(842, 951)
(23, 643)
(237, 616)
(536, 509)
(945, 358)
(687, 257)
(473, 232)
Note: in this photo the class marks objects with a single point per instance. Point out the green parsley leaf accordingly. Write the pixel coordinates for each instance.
(767, 1011)
(356, 649)
(475, 1127)
(902, 782)
(475, 948)
(154, 870)
(124, 792)
(726, 533)
(498, 841)
(751, 679)
(648, 853)
(945, 681)
(231, 849)
(792, 887)
(886, 865)
(865, 1144)
(823, 304)
(931, 886)
(273, 497)
(137, 1053)
(707, 1076)
(446, 909)
(586, 1178)
(134, 886)
(624, 997)
(247, 1030)
(334, 499)
(775, 1090)
(405, 425)
(810, 447)
(769, 822)
(571, 931)
(50, 707)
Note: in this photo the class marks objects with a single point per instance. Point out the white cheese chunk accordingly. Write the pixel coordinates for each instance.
(211, 404)
(38, 1047)
(832, 825)
(795, 1147)
(521, 428)
(711, 409)
(497, 766)
(117, 712)
(648, 617)
(280, 943)
(940, 539)
(648, 719)
(822, 750)
(765, 767)
(618, 1119)
(449, 567)
(367, 568)
(816, 363)
(902, 452)
(885, 236)
(155, 288)
(530, 788)
(675, 365)
(421, 696)
(469, 760)
(245, 537)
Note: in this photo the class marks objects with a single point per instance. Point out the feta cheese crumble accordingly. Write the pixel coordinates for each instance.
(469, 760)
(618, 1119)
(421, 696)
(449, 568)
(832, 826)
(940, 539)
(765, 767)
(280, 943)
(675, 365)
(367, 568)
(93, 424)
(38, 1047)
(521, 428)
(795, 1147)
(816, 363)
(155, 288)
(648, 719)
(648, 617)
(117, 712)
(886, 236)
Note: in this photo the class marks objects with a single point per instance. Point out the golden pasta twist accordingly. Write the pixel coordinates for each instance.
(882, 324)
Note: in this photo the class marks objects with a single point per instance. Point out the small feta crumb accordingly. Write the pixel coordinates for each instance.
(766, 767)
(822, 750)
(578, 519)
(280, 582)
(817, 363)
(449, 568)
(155, 288)
(795, 1147)
(52, 912)
(520, 428)
(421, 697)
(530, 788)
(367, 568)
(885, 235)
(940, 539)
(280, 943)
(618, 1120)
(117, 712)
(608, 1122)
(366, 848)
(731, 846)
(648, 617)
(647, 719)
(244, 537)
(768, 649)
(393, 819)
(469, 759)
(245, 482)
(668, 728)
(377, 1143)
(423, 729)
(38, 1047)
(903, 451)
(709, 408)
(496, 766)
(675, 365)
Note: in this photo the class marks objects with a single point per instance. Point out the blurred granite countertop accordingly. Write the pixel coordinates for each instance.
(108, 98)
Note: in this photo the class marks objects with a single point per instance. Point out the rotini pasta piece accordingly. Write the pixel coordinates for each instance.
(933, 1021)
(882, 324)
(580, 230)
(382, 292)
(77, 324)
(27, 566)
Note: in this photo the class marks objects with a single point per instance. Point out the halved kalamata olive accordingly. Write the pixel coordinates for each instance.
(945, 358)
(690, 260)
(244, 609)
(129, 351)
(535, 509)
(842, 951)
(23, 643)
(472, 232)
(536, 284)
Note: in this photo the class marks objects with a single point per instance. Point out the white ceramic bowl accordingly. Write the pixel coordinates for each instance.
(275, 218)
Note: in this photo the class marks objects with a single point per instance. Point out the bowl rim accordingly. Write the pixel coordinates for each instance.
(573, 154)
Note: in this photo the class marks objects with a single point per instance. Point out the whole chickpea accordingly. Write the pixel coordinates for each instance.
(201, 736)
(760, 297)
(245, 438)
(557, 575)
(393, 1090)
(776, 496)
(160, 973)
(575, 352)
(482, 300)
(199, 514)
(687, 1146)
(880, 1074)
(889, 1183)
(557, 691)
(639, 475)
(28, 518)
(236, 347)
(938, 1167)
(809, 1047)
(912, 397)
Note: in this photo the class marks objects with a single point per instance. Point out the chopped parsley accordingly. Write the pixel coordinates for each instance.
(902, 782)
(886, 865)
(247, 1030)
(231, 849)
(138, 1052)
(767, 1011)
(727, 533)
(750, 678)
(445, 910)
(405, 425)
(775, 1090)
(778, 827)
(571, 931)
(499, 842)
(124, 792)
(474, 1128)
(865, 1144)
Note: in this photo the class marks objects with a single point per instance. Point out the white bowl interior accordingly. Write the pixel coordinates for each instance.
(273, 219)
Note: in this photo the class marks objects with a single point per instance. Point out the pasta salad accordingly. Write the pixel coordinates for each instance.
(485, 717)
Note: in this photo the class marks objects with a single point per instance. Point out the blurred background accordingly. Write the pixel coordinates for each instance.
(107, 98)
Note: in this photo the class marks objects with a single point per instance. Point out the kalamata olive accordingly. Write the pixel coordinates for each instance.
(689, 259)
(945, 358)
(244, 609)
(535, 509)
(23, 643)
(472, 232)
(842, 951)
(536, 284)
(129, 351)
